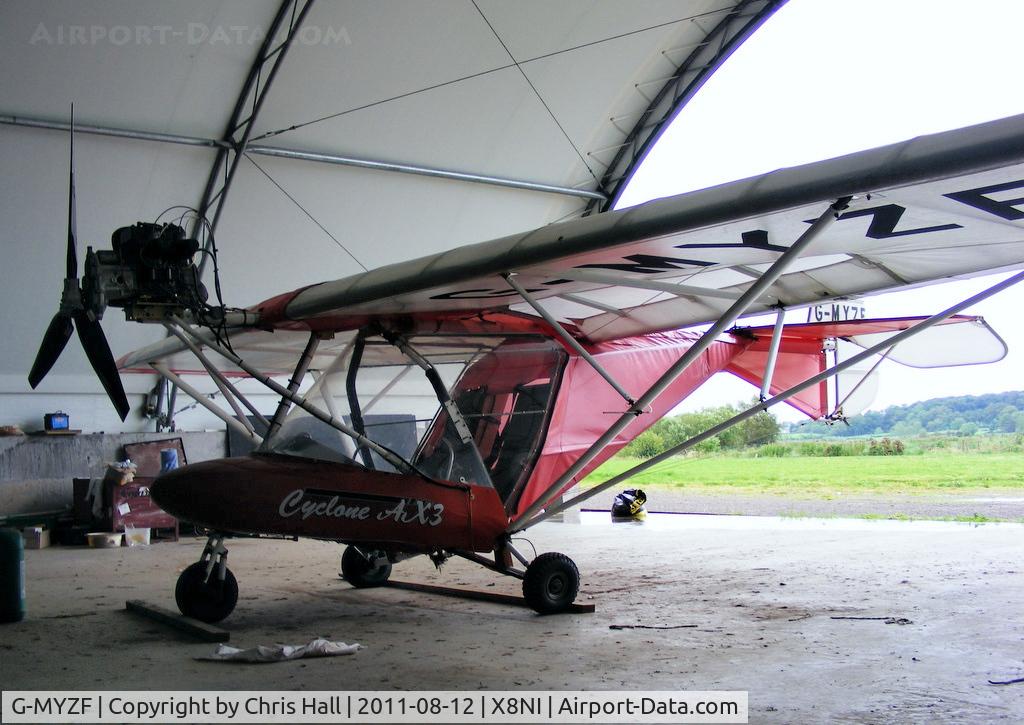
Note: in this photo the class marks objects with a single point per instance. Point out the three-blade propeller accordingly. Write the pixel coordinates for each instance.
(73, 315)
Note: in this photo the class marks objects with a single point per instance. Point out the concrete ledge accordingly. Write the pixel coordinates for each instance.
(36, 471)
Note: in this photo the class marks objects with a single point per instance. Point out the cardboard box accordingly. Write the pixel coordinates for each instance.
(119, 476)
(36, 537)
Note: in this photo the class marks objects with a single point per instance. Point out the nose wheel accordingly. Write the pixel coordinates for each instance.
(207, 590)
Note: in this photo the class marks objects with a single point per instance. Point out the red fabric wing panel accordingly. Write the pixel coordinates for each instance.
(586, 405)
(798, 360)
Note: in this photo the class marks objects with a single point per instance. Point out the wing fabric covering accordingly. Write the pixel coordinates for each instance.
(586, 404)
(924, 210)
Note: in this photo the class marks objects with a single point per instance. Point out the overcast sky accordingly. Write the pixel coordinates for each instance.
(828, 77)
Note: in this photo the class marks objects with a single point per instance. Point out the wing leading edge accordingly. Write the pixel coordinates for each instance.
(928, 209)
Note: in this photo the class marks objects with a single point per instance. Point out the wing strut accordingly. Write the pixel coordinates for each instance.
(837, 413)
(726, 321)
(293, 386)
(883, 346)
(773, 354)
(569, 339)
(244, 430)
(228, 389)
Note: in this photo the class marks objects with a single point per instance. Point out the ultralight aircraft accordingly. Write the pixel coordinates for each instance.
(546, 352)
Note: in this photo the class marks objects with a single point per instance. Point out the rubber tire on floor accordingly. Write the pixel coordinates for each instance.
(206, 601)
(551, 583)
(358, 572)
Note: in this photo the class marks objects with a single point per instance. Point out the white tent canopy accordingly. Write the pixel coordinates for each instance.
(548, 106)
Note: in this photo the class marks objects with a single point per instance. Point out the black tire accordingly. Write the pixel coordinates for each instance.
(357, 570)
(551, 583)
(206, 601)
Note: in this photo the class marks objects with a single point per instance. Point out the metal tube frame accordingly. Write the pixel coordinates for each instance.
(355, 414)
(315, 157)
(773, 353)
(836, 414)
(197, 396)
(434, 378)
(238, 131)
(219, 377)
(161, 402)
(298, 375)
(425, 171)
(568, 339)
(320, 381)
(395, 460)
(885, 345)
(687, 358)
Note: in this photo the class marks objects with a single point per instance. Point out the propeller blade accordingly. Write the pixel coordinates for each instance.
(57, 335)
(98, 351)
(72, 257)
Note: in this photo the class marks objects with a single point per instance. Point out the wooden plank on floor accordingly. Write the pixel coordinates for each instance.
(202, 630)
(478, 595)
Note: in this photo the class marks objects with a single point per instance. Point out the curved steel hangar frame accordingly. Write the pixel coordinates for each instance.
(711, 35)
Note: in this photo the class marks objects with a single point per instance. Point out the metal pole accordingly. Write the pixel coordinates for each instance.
(855, 388)
(11, 120)
(450, 406)
(781, 397)
(397, 461)
(569, 339)
(293, 385)
(221, 379)
(205, 402)
(322, 158)
(161, 400)
(320, 379)
(773, 354)
(724, 322)
(424, 171)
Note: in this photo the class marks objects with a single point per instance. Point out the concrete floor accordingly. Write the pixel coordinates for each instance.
(763, 594)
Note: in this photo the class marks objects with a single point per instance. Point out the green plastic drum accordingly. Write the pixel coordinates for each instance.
(12, 576)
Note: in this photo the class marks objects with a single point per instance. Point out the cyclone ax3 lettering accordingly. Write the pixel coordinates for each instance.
(310, 503)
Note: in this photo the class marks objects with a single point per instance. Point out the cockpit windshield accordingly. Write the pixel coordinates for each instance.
(470, 409)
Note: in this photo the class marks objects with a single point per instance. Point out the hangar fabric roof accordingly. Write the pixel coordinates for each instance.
(371, 132)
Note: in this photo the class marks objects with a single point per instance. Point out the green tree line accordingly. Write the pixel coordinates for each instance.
(963, 415)
(668, 432)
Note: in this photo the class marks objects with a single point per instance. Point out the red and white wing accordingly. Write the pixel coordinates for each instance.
(932, 208)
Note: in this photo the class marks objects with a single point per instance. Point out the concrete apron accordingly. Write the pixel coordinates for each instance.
(763, 599)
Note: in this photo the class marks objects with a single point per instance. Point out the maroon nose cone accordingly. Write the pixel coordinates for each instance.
(174, 491)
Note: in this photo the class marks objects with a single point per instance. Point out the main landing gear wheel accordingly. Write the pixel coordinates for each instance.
(369, 570)
(206, 600)
(551, 583)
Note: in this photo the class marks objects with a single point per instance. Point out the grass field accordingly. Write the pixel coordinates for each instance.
(810, 476)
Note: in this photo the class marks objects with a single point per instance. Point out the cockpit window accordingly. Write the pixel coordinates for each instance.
(501, 390)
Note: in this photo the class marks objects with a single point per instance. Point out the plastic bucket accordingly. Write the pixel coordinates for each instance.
(136, 536)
